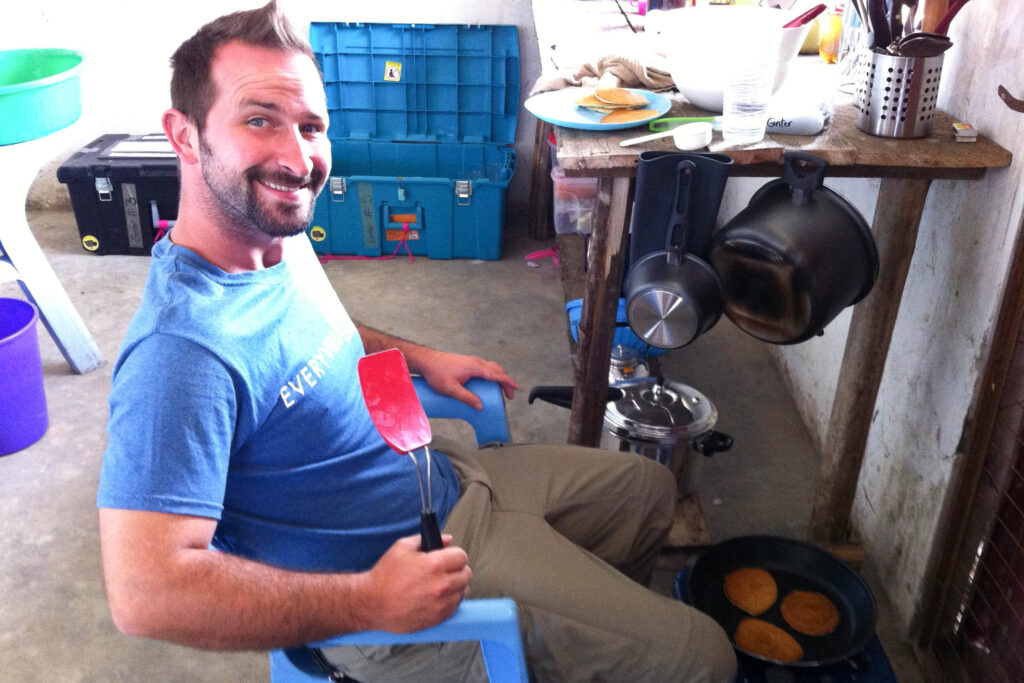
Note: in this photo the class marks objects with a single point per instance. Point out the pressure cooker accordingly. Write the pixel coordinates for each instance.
(663, 420)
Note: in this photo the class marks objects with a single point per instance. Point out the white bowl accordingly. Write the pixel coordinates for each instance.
(694, 39)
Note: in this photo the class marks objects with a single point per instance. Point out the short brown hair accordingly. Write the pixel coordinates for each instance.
(192, 88)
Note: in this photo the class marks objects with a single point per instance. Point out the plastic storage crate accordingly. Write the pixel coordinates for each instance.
(119, 185)
(422, 121)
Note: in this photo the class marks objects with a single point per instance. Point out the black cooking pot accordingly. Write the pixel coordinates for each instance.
(672, 296)
(794, 565)
(796, 256)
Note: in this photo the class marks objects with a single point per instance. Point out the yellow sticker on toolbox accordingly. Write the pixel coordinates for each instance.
(397, 235)
(90, 242)
(392, 71)
(317, 234)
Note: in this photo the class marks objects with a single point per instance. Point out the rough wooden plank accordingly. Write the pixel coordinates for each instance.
(895, 225)
(541, 225)
(600, 300)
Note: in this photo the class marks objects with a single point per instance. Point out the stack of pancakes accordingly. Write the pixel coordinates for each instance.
(617, 104)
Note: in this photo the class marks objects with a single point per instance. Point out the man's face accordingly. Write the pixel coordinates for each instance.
(264, 149)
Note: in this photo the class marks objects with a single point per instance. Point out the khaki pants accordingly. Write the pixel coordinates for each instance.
(571, 534)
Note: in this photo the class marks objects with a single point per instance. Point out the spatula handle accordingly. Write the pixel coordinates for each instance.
(430, 533)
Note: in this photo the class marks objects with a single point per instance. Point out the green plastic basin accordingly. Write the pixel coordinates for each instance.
(40, 92)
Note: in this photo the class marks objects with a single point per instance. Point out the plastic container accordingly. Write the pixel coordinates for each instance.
(23, 416)
(624, 336)
(422, 123)
(574, 202)
(749, 77)
(40, 92)
(830, 27)
(120, 185)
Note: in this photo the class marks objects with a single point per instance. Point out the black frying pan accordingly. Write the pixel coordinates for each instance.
(795, 566)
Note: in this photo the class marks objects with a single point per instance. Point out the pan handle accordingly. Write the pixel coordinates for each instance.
(804, 173)
(712, 442)
(562, 395)
(430, 533)
(679, 219)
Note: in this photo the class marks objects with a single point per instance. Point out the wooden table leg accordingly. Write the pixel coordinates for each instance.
(602, 287)
(541, 225)
(895, 225)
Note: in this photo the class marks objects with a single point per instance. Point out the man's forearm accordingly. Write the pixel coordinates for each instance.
(163, 582)
(374, 340)
(206, 599)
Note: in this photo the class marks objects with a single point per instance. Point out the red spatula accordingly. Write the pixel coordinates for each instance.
(398, 416)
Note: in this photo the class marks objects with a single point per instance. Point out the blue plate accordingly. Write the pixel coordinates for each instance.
(559, 108)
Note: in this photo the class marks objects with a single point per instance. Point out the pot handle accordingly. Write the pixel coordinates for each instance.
(804, 173)
(712, 442)
(679, 219)
(562, 395)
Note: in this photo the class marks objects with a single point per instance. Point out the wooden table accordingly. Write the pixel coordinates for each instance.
(906, 169)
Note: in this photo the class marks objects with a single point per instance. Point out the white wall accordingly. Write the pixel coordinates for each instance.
(947, 316)
(127, 45)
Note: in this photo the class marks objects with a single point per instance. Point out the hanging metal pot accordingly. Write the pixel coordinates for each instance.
(672, 297)
(796, 256)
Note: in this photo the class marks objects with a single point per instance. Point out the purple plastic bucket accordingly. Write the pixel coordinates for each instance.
(23, 418)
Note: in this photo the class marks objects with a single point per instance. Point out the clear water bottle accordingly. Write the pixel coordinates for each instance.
(750, 78)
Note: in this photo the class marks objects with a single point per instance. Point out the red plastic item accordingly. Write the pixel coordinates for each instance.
(395, 409)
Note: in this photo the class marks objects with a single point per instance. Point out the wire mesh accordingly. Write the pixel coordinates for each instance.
(985, 640)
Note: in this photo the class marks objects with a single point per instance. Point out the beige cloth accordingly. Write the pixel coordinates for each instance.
(571, 534)
(649, 72)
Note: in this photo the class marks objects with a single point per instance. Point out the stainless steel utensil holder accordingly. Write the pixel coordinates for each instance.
(896, 96)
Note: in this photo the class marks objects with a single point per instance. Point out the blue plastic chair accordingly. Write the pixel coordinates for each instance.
(492, 622)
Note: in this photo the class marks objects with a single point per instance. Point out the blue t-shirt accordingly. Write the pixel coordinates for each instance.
(235, 397)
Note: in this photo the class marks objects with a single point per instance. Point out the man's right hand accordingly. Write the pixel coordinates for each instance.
(408, 589)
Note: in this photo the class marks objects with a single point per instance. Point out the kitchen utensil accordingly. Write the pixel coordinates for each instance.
(947, 18)
(923, 45)
(895, 20)
(879, 35)
(397, 414)
(669, 123)
(666, 421)
(673, 296)
(796, 256)
(794, 565)
(688, 35)
(805, 17)
(687, 137)
(657, 180)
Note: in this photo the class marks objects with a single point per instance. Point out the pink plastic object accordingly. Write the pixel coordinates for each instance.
(805, 17)
(391, 399)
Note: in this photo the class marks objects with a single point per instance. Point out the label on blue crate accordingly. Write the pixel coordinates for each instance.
(392, 71)
(399, 235)
(317, 233)
(366, 214)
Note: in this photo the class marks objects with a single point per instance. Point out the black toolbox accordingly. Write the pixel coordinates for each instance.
(123, 188)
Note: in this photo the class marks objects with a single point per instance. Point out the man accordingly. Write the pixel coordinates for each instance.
(246, 500)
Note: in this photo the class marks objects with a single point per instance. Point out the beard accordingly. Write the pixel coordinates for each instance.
(239, 201)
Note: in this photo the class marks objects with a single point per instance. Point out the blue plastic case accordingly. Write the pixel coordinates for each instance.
(422, 122)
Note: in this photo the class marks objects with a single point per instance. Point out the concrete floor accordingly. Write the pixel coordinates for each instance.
(54, 623)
